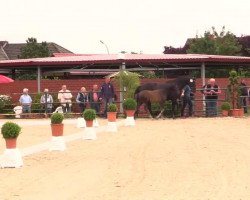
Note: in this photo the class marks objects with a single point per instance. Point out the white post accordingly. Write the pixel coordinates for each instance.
(122, 67)
(11, 158)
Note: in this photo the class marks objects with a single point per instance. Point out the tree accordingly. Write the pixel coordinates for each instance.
(233, 89)
(214, 43)
(34, 50)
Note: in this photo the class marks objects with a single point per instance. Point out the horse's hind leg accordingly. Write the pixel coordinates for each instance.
(148, 106)
(137, 108)
(162, 110)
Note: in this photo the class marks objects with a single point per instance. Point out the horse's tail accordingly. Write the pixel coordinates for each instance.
(137, 90)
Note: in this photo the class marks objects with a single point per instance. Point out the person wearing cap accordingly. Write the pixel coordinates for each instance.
(186, 95)
(25, 101)
(243, 95)
(47, 101)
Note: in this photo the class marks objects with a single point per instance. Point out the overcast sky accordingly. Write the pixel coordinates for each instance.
(131, 25)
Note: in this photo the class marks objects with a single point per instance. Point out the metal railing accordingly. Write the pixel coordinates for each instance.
(37, 110)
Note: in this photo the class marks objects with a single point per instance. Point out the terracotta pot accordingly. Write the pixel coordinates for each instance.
(57, 129)
(235, 112)
(89, 123)
(241, 112)
(224, 113)
(130, 113)
(111, 116)
(10, 143)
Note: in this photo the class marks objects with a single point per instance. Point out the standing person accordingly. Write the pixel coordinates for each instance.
(206, 101)
(211, 92)
(82, 99)
(243, 94)
(186, 94)
(47, 101)
(94, 98)
(107, 94)
(65, 97)
(25, 101)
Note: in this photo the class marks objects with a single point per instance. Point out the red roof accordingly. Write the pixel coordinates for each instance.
(127, 58)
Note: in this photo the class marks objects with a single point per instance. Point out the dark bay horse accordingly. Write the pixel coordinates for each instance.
(179, 82)
(159, 93)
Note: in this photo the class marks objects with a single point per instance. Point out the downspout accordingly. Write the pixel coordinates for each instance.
(38, 79)
(203, 79)
(122, 67)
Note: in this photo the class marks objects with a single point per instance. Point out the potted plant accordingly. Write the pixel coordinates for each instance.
(89, 115)
(225, 107)
(56, 124)
(234, 92)
(111, 112)
(10, 132)
(130, 105)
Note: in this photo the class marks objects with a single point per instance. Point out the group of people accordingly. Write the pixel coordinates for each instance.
(94, 98)
(211, 92)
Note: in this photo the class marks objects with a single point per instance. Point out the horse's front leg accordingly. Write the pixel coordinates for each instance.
(174, 103)
(162, 110)
(137, 109)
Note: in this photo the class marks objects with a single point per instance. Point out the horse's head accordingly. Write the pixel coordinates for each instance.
(185, 80)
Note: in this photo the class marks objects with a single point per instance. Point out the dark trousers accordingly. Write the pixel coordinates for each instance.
(211, 107)
(187, 101)
(82, 107)
(106, 102)
(66, 108)
(243, 102)
(96, 106)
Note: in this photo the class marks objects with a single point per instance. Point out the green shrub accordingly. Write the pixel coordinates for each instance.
(36, 106)
(112, 107)
(89, 114)
(56, 118)
(225, 106)
(5, 103)
(129, 104)
(10, 130)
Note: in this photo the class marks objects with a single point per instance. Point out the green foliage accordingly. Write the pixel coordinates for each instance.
(225, 106)
(36, 106)
(30, 75)
(10, 130)
(129, 81)
(89, 114)
(129, 104)
(213, 43)
(56, 118)
(112, 107)
(34, 50)
(5, 103)
(149, 74)
(233, 89)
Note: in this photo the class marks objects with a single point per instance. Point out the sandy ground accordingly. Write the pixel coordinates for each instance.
(169, 159)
